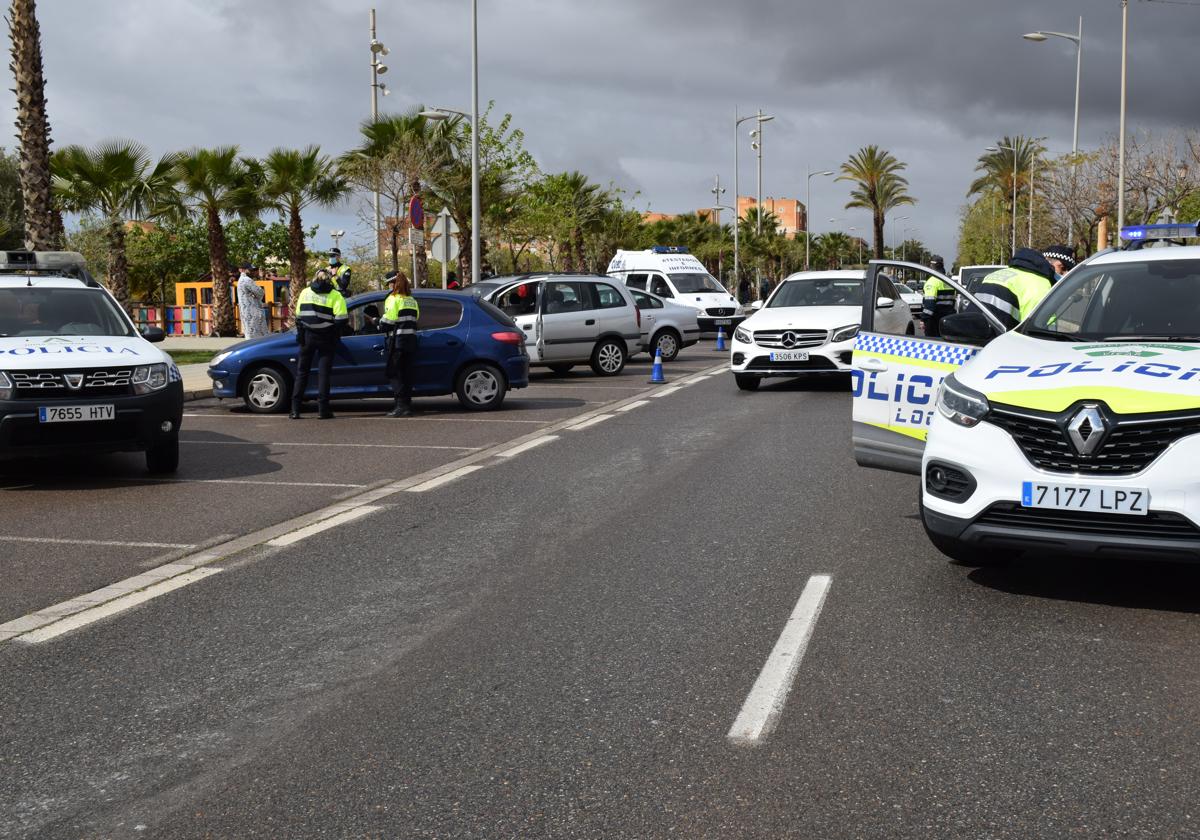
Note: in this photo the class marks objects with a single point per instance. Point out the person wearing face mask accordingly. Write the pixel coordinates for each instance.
(339, 272)
(1062, 257)
(1012, 293)
(321, 318)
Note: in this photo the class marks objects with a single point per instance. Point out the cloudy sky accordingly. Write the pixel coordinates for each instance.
(637, 92)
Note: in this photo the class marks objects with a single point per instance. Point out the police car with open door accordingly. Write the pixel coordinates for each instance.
(76, 375)
(1075, 434)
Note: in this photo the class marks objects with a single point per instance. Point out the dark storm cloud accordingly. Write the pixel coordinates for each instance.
(637, 92)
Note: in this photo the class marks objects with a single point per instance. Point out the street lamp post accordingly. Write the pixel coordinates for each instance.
(737, 213)
(377, 87)
(445, 114)
(904, 244)
(897, 219)
(1013, 249)
(808, 211)
(717, 192)
(1121, 151)
(1041, 35)
(860, 245)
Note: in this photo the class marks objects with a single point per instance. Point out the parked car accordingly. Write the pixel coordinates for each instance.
(970, 277)
(570, 319)
(808, 325)
(912, 297)
(465, 347)
(666, 327)
(670, 272)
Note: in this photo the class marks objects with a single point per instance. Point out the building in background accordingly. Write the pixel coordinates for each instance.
(792, 214)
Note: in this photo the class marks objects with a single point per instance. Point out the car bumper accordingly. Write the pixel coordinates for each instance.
(516, 370)
(136, 427)
(992, 515)
(828, 358)
(225, 382)
(708, 323)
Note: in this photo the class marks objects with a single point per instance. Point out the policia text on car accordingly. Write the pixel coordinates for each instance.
(321, 318)
(399, 321)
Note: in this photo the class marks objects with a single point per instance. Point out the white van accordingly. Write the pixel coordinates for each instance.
(670, 272)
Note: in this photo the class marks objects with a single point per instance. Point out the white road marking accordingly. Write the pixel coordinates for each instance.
(527, 445)
(104, 543)
(716, 372)
(429, 415)
(434, 483)
(674, 389)
(17, 487)
(765, 702)
(633, 405)
(600, 418)
(339, 443)
(116, 605)
(323, 525)
(239, 481)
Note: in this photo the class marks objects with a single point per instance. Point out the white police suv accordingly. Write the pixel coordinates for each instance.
(76, 376)
(1077, 433)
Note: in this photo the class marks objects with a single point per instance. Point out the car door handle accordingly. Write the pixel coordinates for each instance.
(452, 342)
(590, 322)
(870, 363)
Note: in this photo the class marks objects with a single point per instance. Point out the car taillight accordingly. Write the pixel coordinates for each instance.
(509, 337)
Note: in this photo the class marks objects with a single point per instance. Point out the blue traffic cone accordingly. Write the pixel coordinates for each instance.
(721, 348)
(656, 372)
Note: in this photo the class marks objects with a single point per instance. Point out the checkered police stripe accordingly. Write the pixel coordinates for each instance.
(909, 348)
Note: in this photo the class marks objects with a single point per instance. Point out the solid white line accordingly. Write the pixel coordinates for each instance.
(634, 405)
(600, 418)
(527, 445)
(238, 481)
(17, 487)
(117, 605)
(765, 702)
(307, 443)
(716, 372)
(116, 543)
(323, 525)
(434, 483)
(352, 416)
(674, 389)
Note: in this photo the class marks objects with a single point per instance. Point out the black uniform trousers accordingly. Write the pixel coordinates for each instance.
(402, 349)
(322, 347)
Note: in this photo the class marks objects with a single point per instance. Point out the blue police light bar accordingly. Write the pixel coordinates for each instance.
(670, 249)
(1147, 233)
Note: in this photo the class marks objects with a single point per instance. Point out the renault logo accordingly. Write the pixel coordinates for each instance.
(1087, 429)
(74, 380)
(788, 339)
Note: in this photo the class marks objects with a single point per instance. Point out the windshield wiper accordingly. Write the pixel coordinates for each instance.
(1034, 332)
(1151, 338)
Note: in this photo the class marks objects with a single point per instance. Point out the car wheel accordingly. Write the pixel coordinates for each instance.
(163, 457)
(747, 383)
(960, 553)
(480, 387)
(668, 343)
(267, 390)
(561, 369)
(608, 359)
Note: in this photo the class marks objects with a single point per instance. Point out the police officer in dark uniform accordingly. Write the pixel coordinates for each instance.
(321, 318)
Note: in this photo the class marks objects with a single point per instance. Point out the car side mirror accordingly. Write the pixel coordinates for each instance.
(153, 334)
(758, 304)
(884, 303)
(967, 328)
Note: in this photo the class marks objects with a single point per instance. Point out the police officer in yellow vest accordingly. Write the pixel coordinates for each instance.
(1012, 293)
(399, 321)
(340, 273)
(937, 300)
(321, 318)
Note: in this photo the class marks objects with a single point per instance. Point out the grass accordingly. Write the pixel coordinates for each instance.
(192, 357)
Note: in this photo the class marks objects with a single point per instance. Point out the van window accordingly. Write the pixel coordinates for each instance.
(519, 300)
(694, 282)
(645, 301)
(608, 297)
(564, 297)
(658, 286)
(636, 281)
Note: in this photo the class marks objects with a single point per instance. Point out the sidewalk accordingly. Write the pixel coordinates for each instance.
(197, 342)
(196, 384)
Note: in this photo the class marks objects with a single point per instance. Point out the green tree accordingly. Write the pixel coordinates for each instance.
(43, 225)
(119, 181)
(878, 186)
(1005, 174)
(217, 184)
(294, 180)
(12, 207)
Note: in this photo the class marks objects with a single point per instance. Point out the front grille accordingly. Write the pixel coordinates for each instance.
(1131, 444)
(813, 363)
(1154, 524)
(52, 384)
(799, 339)
(720, 311)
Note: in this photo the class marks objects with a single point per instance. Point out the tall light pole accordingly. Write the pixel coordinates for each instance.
(904, 244)
(1121, 152)
(894, 220)
(476, 213)
(1041, 35)
(377, 87)
(336, 236)
(717, 192)
(860, 244)
(808, 211)
(1012, 149)
(445, 114)
(737, 213)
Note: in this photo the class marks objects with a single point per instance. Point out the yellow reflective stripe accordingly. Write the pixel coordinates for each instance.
(906, 360)
(907, 431)
(1120, 400)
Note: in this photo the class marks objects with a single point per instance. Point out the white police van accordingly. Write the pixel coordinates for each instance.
(670, 272)
(76, 376)
(1075, 434)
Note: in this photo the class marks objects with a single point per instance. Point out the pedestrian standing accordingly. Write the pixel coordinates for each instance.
(937, 299)
(452, 280)
(251, 304)
(400, 313)
(339, 273)
(321, 317)
(743, 291)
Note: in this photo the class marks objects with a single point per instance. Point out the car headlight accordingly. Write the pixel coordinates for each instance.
(220, 357)
(6, 386)
(845, 333)
(147, 378)
(961, 404)
(743, 336)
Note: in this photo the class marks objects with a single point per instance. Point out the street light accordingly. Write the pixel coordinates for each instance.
(336, 236)
(377, 87)
(1121, 152)
(808, 210)
(904, 244)
(897, 219)
(860, 244)
(737, 121)
(445, 114)
(1040, 36)
(1012, 149)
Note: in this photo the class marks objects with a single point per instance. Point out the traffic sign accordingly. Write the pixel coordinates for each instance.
(444, 224)
(416, 236)
(416, 212)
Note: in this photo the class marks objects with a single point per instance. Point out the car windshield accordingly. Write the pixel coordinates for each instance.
(692, 283)
(971, 278)
(36, 310)
(818, 291)
(1127, 301)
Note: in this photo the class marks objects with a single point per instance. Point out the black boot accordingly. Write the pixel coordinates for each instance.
(401, 409)
(295, 415)
(326, 413)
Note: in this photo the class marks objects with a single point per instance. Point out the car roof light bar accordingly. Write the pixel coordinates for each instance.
(670, 249)
(1149, 233)
(65, 263)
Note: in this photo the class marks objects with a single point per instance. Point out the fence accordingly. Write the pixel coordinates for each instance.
(198, 319)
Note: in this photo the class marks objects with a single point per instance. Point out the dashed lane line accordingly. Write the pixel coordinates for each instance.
(98, 543)
(324, 525)
(587, 424)
(350, 415)
(666, 392)
(435, 483)
(331, 444)
(527, 445)
(631, 406)
(760, 713)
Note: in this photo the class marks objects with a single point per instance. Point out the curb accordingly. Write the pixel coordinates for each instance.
(198, 394)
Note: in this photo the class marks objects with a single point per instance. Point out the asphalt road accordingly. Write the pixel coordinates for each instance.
(557, 644)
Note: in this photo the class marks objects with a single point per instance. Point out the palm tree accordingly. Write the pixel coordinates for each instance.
(119, 181)
(878, 186)
(1006, 169)
(584, 204)
(216, 183)
(43, 225)
(829, 248)
(295, 179)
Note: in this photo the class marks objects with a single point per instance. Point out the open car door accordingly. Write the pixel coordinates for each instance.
(897, 371)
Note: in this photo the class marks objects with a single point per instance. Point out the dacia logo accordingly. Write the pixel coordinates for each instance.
(1087, 429)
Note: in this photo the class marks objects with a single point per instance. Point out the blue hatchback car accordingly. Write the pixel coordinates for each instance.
(465, 346)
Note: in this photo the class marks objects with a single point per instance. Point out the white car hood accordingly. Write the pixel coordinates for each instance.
(803, 318)
(1129, 377)
(64, 351)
